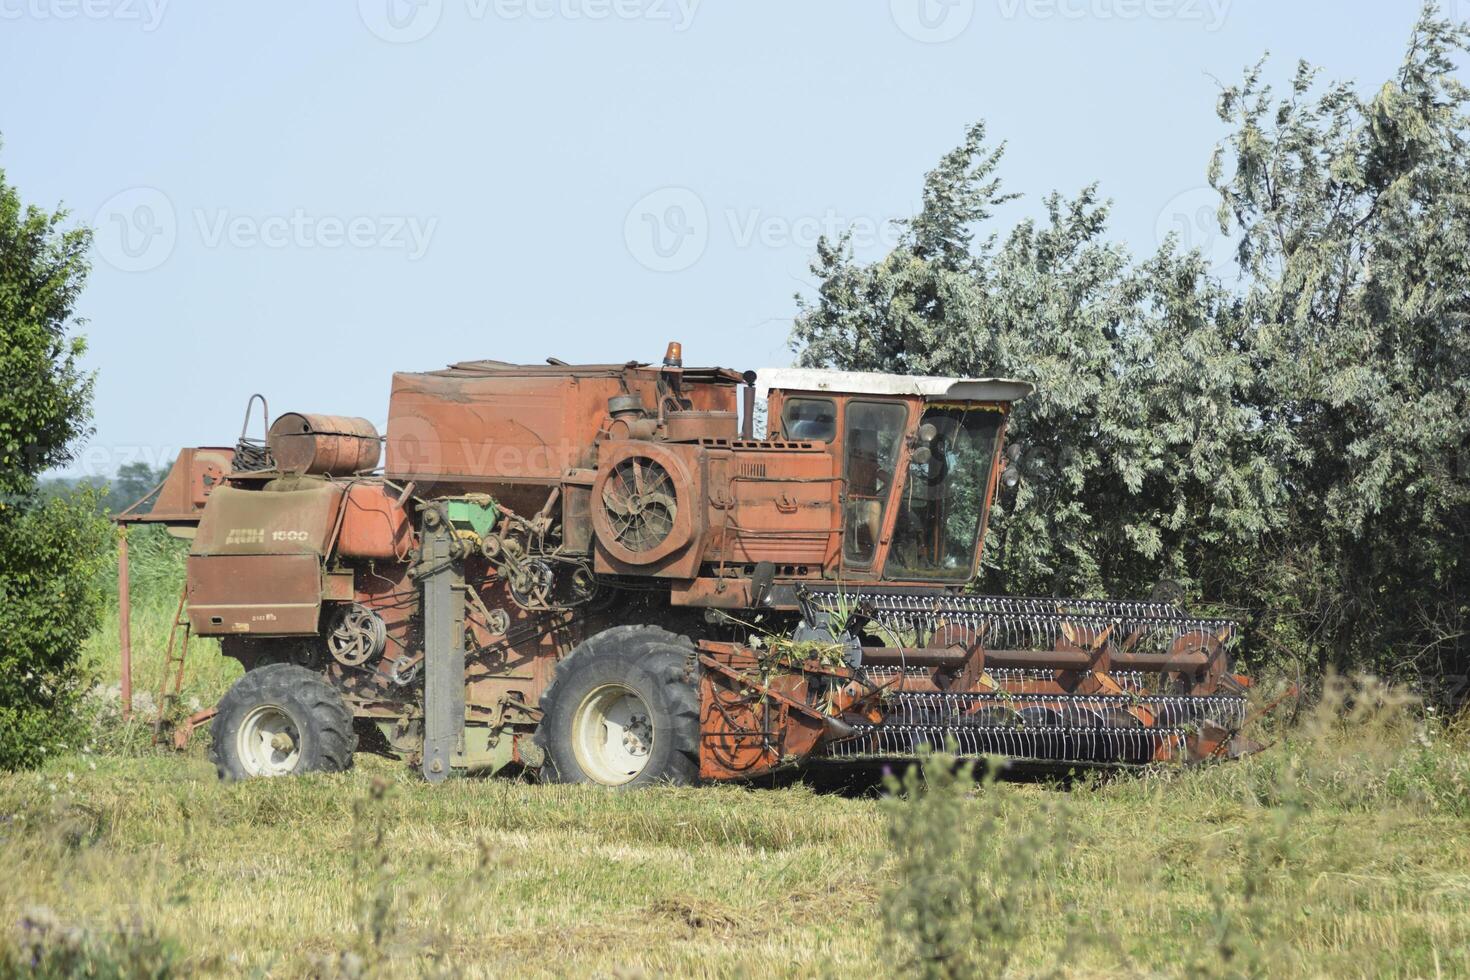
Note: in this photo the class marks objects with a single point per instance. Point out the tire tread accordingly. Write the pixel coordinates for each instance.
(334, 738)
(668, 658)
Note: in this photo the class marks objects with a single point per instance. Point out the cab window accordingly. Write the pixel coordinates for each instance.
(809, 420)
(944, 498)
(872, 437)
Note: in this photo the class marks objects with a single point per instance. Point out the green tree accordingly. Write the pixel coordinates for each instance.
(1293, 445)
(127, 487)
(50, 550)
(1354, 222)
(1139, 455)
(133, 480)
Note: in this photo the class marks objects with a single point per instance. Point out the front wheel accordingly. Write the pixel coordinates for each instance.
(281, 720)
(622, 712)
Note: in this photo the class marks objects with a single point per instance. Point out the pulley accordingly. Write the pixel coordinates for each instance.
(358, 635)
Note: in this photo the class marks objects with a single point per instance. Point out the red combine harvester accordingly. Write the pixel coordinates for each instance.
(600, 573)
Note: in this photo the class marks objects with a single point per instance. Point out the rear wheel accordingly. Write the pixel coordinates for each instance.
(622, 711)
(280, 720)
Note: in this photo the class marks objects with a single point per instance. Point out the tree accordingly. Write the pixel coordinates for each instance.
(127, 487)
(51, 550)
(1354, 222)
(132, 482)
(1295, 446)
(1138, 455)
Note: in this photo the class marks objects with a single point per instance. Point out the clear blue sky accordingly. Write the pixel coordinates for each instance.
(301, 198)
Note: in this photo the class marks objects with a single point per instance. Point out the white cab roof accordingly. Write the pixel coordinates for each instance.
(862, 383)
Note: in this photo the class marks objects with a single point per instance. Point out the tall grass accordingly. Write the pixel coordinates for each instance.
(156, 564)
(1313, 858)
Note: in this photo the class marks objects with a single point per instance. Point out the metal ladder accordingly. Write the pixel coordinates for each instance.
(172, 682)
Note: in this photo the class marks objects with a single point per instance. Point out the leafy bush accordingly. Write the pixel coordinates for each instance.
(51, 550)
(51, 557)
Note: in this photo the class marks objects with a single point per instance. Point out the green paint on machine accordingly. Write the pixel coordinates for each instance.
(475, 512)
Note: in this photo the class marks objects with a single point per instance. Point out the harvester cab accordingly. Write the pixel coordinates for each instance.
(917, 460)
(602, 573)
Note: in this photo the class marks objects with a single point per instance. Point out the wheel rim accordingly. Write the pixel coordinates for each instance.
(612, 735)
(268, 743)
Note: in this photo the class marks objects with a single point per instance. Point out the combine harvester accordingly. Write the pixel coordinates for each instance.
(598, 572)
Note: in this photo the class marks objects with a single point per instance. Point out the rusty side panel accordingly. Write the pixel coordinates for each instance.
(712, 593)
(262, 595)
(339, 586)
(481, 429)
(187, 488)
(256, 562)
(774, 505)
(250, 522)
(478, 424)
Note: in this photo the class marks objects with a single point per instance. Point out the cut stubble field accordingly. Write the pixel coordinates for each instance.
(1199, 872)
(1344, 850)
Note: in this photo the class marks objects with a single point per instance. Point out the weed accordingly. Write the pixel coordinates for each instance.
(969, 870)
(46, 947)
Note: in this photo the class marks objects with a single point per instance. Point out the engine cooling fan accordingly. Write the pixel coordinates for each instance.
(641, 502)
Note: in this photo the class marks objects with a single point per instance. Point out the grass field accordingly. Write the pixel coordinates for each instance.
(1344, 851)
(1324, 858)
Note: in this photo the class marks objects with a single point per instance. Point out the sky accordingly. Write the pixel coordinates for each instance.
(301, 198)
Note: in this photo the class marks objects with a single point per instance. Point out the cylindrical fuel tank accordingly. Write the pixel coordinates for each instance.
(324, 445)
(373, 525)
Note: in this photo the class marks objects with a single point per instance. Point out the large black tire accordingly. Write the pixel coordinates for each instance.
(628, 664)
(281, 719)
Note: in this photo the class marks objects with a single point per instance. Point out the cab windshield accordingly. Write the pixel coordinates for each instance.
(943, 500)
